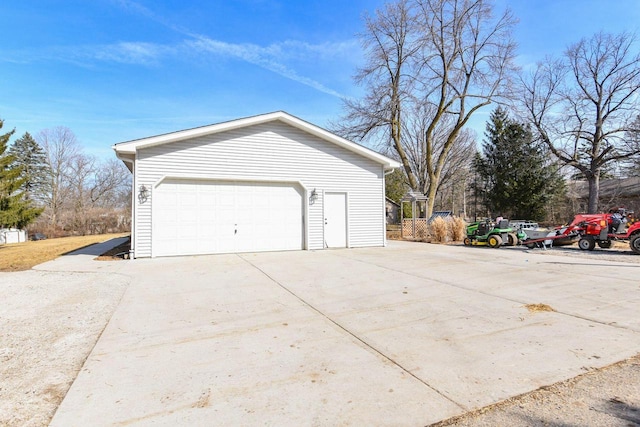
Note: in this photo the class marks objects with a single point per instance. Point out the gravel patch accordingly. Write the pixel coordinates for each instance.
(50, 322)
(608, 397)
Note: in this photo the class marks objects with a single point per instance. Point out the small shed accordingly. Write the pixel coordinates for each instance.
(12, 235)
(264, 183)
(392, 210)
(446, 215)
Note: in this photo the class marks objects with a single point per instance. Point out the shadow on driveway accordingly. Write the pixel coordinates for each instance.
(97, 249)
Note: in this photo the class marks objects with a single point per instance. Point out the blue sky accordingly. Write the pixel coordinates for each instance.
(116, 70)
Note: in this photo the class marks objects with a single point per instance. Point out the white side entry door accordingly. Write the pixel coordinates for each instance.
(335, 220)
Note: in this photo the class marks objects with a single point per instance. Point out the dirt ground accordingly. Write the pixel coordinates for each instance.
(608, 397)
(619, 252)
(50, 321)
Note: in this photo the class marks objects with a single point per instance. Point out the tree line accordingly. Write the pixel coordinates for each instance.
(48, 184)
(433, 64)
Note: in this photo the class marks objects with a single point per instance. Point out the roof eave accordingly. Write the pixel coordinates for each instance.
(133, 146)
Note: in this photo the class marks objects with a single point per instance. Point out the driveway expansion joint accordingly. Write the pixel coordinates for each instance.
(442, 282)
(354, 336)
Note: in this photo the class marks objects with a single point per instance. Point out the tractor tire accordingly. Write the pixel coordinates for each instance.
(587, 244)
(513, 239)
(467, 241)
(605, 244)
(494, 241)
(634, 243)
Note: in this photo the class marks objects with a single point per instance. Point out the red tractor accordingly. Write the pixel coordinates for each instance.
(595, 229)
(603, 229)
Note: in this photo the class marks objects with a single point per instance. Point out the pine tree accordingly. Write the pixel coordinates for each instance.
(396, 185)
(29, 156)
(15, 211)
(519, 181)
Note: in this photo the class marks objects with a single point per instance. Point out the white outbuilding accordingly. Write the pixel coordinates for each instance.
(12, 235)
(264, 183)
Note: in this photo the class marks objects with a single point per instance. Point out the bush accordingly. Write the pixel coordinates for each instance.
(439, 230)
(458, 229)
(450, 229)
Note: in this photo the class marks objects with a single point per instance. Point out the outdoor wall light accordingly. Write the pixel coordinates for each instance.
(143, 193)
(313, 196)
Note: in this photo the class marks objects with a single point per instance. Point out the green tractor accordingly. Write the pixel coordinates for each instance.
(494, 235)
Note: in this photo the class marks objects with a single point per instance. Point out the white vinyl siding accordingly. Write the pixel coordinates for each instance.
(271, 151)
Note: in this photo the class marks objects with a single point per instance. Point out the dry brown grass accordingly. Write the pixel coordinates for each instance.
(23, 256)
(458, 229)
(452, 229)
(439, 230)
(538, 307)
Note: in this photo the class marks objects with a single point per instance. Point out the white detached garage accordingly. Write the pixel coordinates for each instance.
(264, 183)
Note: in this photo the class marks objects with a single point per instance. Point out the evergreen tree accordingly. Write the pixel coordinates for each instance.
(29, 156)
(519, 181)
(15, 211)
(396, 185)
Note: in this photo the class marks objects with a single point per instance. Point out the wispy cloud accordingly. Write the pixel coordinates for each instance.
(129, 53)
(133, 53)
(276, 57)
(265, 57)
(272, 57)
(139, 9)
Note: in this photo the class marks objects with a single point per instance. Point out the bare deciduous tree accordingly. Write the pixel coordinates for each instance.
(455, 160)
(80, 181)
(390, 43)
(433, 63)
(110, 182)
(584, 104)
(631, 166)
(84, 195)
(61, 148)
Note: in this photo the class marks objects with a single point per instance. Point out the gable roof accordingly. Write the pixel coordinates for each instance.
(392, 201)
(130, 147)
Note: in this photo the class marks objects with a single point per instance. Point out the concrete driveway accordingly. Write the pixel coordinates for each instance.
(405, 335)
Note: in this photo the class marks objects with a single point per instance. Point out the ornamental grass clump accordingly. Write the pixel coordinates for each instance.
(458, 229)
(439, 230)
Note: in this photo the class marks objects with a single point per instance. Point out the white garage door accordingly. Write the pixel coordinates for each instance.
(206, 217)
